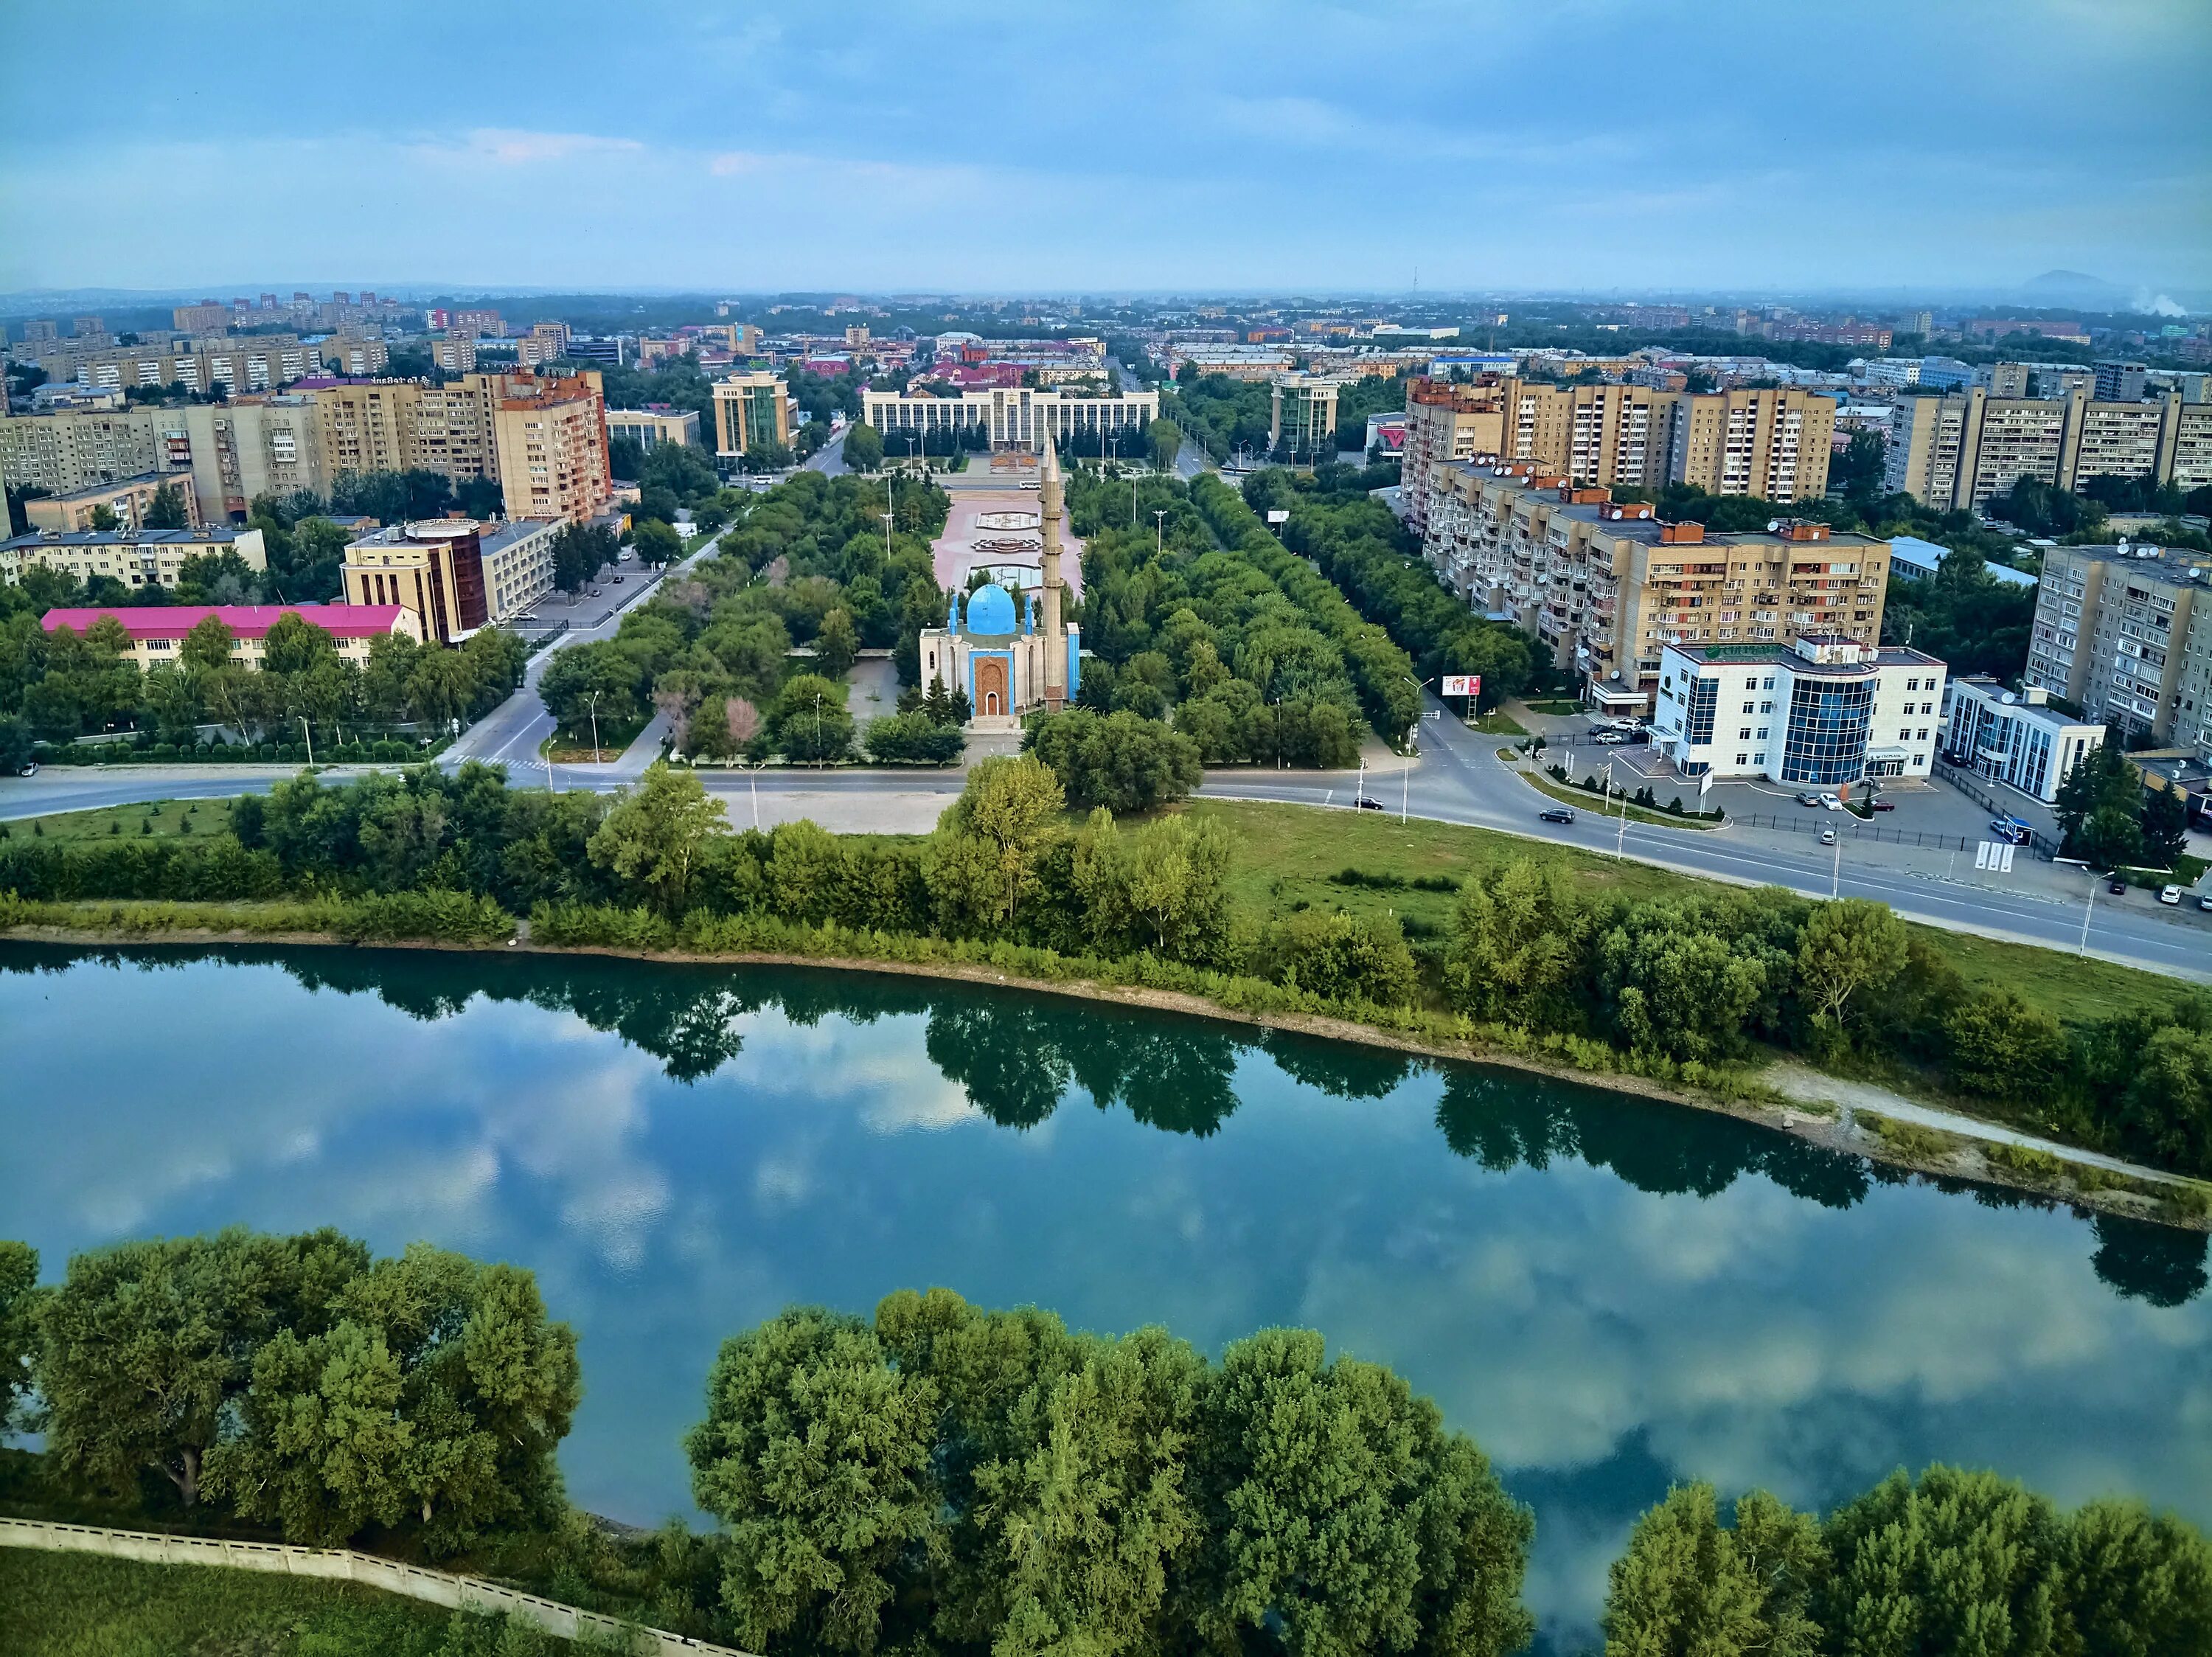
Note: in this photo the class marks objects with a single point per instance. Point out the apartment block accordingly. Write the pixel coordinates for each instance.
(1606, 584)
(551, 438)
(226, 453)
(1774, 444)
(1965, 450)
(1447, 425)
(128, 500)
(137, 557)
(2125, 633)
(751, 410)
(247, 363)
(1304, 414)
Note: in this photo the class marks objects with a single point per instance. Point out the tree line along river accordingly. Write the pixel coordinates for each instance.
(1608, 1293)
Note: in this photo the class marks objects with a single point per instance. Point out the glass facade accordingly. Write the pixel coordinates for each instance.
(1826, 740)
(1704, 701)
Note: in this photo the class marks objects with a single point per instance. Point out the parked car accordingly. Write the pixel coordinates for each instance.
(1608, 737)
(1555, 814)
(2204, 903)
(2169, 894)
(617, 578)
(1827, 836)
(1830, 802)
(592, 591)
(2117, 887)
(1880, 804)
(1808, 799)
(1365, 804)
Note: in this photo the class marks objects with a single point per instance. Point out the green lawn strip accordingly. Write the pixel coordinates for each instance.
(1286, 855)
(568, 747)
(1498, 723)
(67, 1605)
(201, 819)
(1598, 805)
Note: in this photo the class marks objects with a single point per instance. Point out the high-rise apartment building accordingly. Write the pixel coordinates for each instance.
(2126, 633)
(1302, 418)
(1771, 443)
(1966, 450)
(1606, 583)
(206, 317)
(551, 441)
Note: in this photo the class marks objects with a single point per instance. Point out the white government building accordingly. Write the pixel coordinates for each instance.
(1016, 416)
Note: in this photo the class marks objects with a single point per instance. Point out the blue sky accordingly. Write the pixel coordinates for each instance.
(747, 146)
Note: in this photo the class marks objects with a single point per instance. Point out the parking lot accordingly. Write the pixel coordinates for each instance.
(587, 611)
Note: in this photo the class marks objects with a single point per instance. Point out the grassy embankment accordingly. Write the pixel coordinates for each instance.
(1411, 870)
(63, 1604)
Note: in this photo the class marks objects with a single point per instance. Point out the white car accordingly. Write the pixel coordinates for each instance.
(2171, 894)
(1830, 802)
(1607, 738)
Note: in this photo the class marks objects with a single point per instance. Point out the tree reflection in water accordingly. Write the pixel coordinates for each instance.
(1017, 1055)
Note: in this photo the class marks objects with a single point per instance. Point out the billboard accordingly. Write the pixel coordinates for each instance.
(1462, 684)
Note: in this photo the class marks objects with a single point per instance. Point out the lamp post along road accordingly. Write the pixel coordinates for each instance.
(1160, 529)
(306, 731)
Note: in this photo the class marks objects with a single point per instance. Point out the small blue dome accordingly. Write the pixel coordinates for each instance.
(991, 610)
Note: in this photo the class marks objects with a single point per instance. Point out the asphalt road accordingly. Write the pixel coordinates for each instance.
(1457, 779)
(1460, 779)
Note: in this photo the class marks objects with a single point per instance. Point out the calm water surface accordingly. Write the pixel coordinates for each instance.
(1609, 1294)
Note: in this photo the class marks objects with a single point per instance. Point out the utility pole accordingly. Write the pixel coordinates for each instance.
(306, 732)
(1836, 874)
(595, 727)
(1160, 529)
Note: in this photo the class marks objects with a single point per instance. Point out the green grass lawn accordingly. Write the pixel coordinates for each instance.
(1498, 722)
(200, 818)
(1598, 805)
(63, 1604)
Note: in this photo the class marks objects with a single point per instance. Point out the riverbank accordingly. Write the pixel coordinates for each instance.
(1943, 1145)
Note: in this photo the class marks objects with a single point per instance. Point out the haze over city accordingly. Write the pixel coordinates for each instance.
(1596, 145)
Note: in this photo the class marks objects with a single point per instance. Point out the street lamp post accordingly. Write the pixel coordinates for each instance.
(1160, 529)
(306, 731)
(1413, 749)
(595, 727)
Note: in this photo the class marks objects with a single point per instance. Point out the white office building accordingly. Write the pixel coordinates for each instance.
(1821, 712)
(2017, 740)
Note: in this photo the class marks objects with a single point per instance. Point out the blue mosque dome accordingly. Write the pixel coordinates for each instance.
(991, 611)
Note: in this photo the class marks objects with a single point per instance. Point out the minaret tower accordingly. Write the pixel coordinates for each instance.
(1053, 639)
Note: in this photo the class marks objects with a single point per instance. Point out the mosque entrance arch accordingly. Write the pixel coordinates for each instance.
(994, 696)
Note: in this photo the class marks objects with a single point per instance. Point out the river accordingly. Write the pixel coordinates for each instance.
(1607, 1292)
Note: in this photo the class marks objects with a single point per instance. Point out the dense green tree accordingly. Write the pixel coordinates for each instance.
(2099, 808)
(2165, 827)
(1677, 985)
(1340, 957)
(837, 646)
(1120, 761)
(864, 447)
(17, 745)
(19, 1301)
(991, 844)
(1165, 439)
(1954, 1561)
(1163, 888)
(1320, 1486)
(2136, 1584)
(431, 1406)
(816, 1457)
(1689, 1586)
(1520, 945)
(2001, 1047)
(913, 738)
(808, 720)
(656, 833)
(146, 1346)
(1853, 947)
(166, 509)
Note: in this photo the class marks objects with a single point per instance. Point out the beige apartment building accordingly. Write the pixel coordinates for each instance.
(1771, 443)
(1965, 449)
(129, 500)
(224, 453)
(2126, 633)
(542, 439)
(1606, 584)
(137, 557)
(246, 363)
(551, 438)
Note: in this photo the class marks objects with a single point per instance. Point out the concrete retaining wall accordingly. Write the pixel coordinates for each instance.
(343, 1565)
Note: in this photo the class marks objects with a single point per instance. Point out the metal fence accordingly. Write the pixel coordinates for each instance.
(1857, 828)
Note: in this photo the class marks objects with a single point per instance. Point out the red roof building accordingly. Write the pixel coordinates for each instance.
(158, 631)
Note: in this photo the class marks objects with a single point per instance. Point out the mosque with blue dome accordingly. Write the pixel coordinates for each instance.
(1011, 653)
